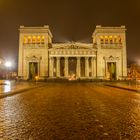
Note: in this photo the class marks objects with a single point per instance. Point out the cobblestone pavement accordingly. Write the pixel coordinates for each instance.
(71, 111)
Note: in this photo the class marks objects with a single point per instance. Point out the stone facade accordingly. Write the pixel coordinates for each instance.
(105, 58)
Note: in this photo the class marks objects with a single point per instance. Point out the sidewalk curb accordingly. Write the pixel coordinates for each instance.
(129, 89)
(11, 93)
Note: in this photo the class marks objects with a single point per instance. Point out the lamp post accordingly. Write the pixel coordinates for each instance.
(8, 65)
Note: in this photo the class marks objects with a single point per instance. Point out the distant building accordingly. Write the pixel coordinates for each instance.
(104, 58)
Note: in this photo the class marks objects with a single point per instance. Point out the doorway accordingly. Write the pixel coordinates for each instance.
(111, 70)
(33, 70)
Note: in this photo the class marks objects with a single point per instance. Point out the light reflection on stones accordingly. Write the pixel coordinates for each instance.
(71, 111)
(7, 86)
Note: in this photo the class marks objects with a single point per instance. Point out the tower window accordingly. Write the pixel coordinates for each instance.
(29, 39)
(34, 39)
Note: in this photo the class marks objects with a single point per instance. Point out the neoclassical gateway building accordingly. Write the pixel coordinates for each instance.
(104, 58)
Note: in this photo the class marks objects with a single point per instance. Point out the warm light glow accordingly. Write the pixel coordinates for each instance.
(25, 40)
(8, 64)
(29, 39)
(42, 39)
(36, 78)
(34, 39)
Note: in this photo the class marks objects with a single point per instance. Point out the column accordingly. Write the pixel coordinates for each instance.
(51, 66)
(78, 69)
(106, 71)
(87, 66)
(117, 70)
(66, 66)
(58, 67)
(92, 67)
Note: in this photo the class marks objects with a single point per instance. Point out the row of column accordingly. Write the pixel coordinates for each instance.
(78, 67)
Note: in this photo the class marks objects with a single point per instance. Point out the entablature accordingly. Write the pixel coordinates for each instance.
(72, 52)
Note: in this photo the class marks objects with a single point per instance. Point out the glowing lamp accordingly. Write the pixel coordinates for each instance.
(8, 64)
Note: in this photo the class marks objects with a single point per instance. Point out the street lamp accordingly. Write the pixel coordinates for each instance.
(8, 64)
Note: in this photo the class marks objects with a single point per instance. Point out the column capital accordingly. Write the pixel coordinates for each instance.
(78, 58)
(51, 58)
(58, 58)
(66, 58)
(93, 58)
(86, 58)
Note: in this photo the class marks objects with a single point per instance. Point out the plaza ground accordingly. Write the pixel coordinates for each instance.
(71, 111)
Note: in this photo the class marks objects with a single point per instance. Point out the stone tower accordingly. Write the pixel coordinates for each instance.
(111, 52)
(34, 43)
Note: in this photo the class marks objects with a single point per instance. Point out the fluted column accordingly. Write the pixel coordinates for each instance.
(66, 66)
(78, 69)
(87, 66)
(50, 63)
(51, 66)
(94, 63)
(92, 67)
(58, 66)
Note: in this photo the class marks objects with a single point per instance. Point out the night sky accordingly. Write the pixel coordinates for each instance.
(69, 20)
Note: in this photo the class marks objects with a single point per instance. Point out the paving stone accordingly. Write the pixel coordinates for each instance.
(71, 111)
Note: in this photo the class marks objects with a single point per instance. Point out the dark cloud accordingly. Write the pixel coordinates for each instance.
(69, 20)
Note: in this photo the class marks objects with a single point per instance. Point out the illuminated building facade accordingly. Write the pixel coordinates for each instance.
(104, 58)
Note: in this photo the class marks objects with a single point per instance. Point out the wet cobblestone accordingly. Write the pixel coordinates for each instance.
(71, 111)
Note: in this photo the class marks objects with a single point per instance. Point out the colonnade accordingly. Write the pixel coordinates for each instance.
(90, 68)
